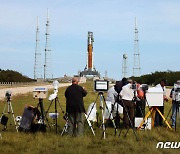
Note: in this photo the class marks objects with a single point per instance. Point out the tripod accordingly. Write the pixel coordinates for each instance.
(66, 124)
(102, 101)
(129, 125)
(43, 115)
(56, 100)
(9, 111)
(152, 111)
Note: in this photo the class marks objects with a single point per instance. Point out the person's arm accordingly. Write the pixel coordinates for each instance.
(171, 93)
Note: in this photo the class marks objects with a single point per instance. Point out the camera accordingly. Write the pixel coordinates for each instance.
(144, 87)
(134, 86)
(40, 92)
(8, 95)
(176, 87)
(177, 92)
(101, 85)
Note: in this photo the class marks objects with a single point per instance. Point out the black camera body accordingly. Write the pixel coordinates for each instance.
(177, 89)
(8, 95)
(144, 87)
(134, 86)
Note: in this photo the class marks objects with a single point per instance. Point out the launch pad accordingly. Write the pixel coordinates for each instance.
(87, 72)
(90, 70)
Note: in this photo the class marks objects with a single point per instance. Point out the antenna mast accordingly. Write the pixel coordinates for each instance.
(136, 67)
(47, 63)
(37, 62)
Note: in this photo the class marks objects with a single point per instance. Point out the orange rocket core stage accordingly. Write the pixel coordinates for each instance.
(90, 48)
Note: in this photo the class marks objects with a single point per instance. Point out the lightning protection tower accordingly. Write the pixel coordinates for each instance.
(37, 62)
(47, 63)
(125, 66)
(136, 66)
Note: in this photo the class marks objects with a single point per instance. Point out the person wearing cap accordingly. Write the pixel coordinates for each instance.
(175, 101)
(158, 118)
(75, 108)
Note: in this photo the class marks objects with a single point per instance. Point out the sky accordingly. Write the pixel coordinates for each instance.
(112, 23)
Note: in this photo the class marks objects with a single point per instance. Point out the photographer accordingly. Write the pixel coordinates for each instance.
(127, 95)
(114, 91)
(75, 108)
(175, 95)
(158, 118)
(140, 102)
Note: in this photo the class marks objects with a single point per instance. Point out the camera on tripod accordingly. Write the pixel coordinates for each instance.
(55, 86)
(177, 88)
(101, 85)
(8, 95)
(134, 86)
(177, 93)
(144, 87)
(40, 93)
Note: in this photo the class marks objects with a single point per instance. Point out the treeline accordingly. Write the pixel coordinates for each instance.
(13, 76)
(154, 78)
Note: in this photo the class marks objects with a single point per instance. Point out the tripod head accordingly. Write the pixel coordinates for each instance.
(100, 93)
(8, 95)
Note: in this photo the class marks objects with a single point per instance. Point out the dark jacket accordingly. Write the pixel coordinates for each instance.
(74, 99)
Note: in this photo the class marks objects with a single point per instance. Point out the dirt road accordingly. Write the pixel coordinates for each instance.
(24, 90)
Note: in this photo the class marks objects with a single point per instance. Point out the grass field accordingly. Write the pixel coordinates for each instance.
(50, 142)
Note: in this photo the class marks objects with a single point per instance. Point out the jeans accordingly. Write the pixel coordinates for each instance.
(174, 109)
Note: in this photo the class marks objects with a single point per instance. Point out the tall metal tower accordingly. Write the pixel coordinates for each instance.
(136, 66)
(47, 63)
(37, 62)
(125, 66)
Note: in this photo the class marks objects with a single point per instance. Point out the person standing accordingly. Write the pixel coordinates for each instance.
(158, 118)
(75, 108)
(175, 95)
(127, 95)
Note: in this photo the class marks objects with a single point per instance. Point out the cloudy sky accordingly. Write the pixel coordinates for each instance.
(111, 21)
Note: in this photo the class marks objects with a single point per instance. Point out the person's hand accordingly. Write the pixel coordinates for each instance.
(84, 88)
(165, 99)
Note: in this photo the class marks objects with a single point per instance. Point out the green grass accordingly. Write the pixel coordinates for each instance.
(50, 142)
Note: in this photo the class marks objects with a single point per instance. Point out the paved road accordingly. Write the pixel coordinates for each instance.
(24, 90)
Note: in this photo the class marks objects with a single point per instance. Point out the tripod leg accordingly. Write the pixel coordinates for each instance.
(4, 110)
(103, 120)
(92, 106)
(164, 119)
(110, 114)
(89, 123)
(60, 106)
(65, 128)
(11, 109)
(56, 124)
(131, 125)
(176, 115)
(49, 107)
